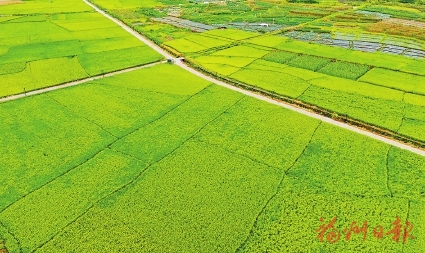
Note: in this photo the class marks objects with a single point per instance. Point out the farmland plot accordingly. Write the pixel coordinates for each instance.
(159, 160)
(44, 6)
(192, 169)
(397, 80)
(393, 62)
(352, 89)
(46, 50)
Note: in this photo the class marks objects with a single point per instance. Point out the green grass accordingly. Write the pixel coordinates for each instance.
(10, 68)
(345, 70)
(397, 80)
(232, 34)
(379, 112)
(185, 46)
(159, 160)
(380, 106)
(261, 64)
(36, 18)
(79, 25)
(159, 80)
(415, 112)
(115, 4)
(85, 36)
(3, 50)
(304, 74)
(5, 19)
(279, 83)
(290, 222)
(58, 203)
(268, 41)
(414, 121)
(413, 127)
(311, 190)
(369, 103)
(206, 41)
(254, 132)
(42, 51)
(309, 62)
(361, 88)
(204, 107)
(191, 168)
(94, 46)
(161, 33)
(221, 69)
(103, 62)
(414, 99)
(407, 175)
(196, 193)
(118, 99)
(324, 65)
(82, 236)
(321, 164)
(242, 51)
(40, 74)
(377, 98)
(11, 30)
(377, 59)
(45, 6)
(280, 57)
(233, 61)
(45, 50)
(38, 144)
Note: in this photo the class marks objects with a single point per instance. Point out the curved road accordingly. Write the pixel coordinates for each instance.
(179, 63)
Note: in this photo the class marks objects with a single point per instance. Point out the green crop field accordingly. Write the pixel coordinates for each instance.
(191, 169)
(367, 93)
(49, 49)
(161, 159)
(43, 6)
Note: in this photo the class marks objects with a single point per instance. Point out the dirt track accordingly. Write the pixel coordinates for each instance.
(65, 85)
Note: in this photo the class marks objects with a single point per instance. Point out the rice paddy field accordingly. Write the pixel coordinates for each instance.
(193, 169)
(374, 88)
(159, 159)
(45, 49)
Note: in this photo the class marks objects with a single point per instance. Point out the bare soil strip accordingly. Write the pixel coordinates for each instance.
(7, 2)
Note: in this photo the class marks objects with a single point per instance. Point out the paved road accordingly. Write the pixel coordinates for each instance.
(134, 33)
(179, 63)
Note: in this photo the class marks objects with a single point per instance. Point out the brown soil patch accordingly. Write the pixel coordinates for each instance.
(394, 28)
(405, 22)
(7, 2)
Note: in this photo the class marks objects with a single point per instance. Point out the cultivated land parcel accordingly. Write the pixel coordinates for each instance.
(62, 45)
(159, 160)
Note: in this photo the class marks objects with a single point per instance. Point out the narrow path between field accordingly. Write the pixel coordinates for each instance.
(85, 80)
(180, 63)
